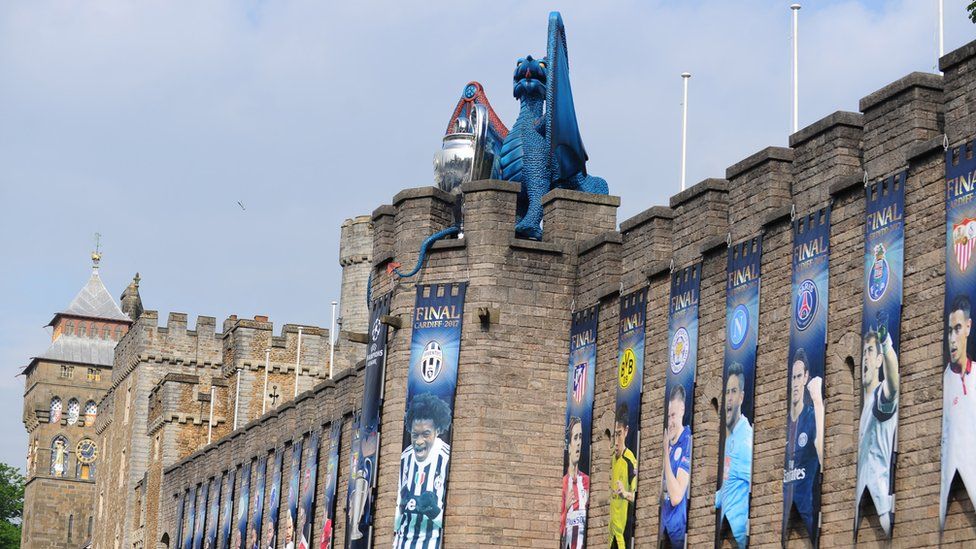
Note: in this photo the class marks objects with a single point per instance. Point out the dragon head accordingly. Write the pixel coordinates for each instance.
(530, 78)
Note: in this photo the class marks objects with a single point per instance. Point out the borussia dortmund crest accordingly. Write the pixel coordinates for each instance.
(627, 369)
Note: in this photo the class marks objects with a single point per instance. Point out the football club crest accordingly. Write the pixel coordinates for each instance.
(579, 382)
(963, 237)
(431, 361)
(880, 272)
(680, 349)
(806, 304)
(628, 366)
(802, 440)
(738, 326)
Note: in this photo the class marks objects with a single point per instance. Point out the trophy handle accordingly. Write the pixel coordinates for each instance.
(483, 157)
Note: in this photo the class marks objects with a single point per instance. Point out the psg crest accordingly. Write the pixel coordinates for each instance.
(963, 235)
(431, 361)
(806, 304)
(680, 349)
(739, 326)
(878, 282)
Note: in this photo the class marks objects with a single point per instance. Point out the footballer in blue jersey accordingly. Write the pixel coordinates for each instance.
(732, 498)
(677, 472)
(804, 447)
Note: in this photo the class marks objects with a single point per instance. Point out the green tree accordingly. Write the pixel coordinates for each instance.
(972, 11)
(11, 506)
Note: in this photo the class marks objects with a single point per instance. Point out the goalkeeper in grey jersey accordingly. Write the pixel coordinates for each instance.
(879, 426)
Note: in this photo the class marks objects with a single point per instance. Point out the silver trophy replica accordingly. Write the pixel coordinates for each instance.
(465, 155)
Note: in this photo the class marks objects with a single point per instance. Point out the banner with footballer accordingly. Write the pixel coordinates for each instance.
(431, 384)
(180, 506)
(958, 385)
(295, 470)
(257, 513)
(625, 438)
(679, 405)
(329, 484)
(354, 451)
(239, 539)
(191, 515)
(306, 511)
(884, 250)
(227, 515)
(364, 485)
(805, 372)
(201, 516)
(579, 421)
(213, 515)
(274, 503)
(734, 482)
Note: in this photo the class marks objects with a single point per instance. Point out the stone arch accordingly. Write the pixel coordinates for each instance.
(163, 541)
(59, 456)
(74, 411)
(55, 410)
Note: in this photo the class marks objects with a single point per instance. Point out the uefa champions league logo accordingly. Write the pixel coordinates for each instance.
(878, 278)
(738, 326)
(807, 301)
(680, 349)
(376, 329)
(431, 361)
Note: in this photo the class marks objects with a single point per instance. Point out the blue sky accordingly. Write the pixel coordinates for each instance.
(147, 122)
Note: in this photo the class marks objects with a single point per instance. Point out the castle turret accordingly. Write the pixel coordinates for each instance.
(131, 301)
(355, 250)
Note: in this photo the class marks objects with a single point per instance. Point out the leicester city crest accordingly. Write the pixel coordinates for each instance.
(807, 300)
(680, 349)
(738, 326)
(431, 361)
(878, 279)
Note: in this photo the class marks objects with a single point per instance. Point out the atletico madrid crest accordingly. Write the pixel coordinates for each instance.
(579, 382)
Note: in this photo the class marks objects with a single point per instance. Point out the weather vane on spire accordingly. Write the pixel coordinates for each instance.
(96, 255)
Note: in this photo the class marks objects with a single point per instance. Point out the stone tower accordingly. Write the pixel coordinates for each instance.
(63, 388)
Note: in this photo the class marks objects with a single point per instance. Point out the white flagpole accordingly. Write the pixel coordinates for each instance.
(264, 396)
(796, 71)
(941, 33)
(237, 396)
(332, 339)
(685, 76)
(210, 421)
(298, 359)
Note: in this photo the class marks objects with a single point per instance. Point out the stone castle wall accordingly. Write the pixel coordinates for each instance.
(507, 447)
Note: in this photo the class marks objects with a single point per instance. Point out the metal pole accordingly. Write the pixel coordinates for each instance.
(941, 33)
(332, 339)
(796, 72)
(298, 359)
(237, 396)
(210, 422)
(264, 396)
(685, 76)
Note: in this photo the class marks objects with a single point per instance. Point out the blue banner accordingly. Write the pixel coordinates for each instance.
(579, 421)
(306, 513)
(329, 485)
(734, 482)
(293, 486)
(884, 251)
(238, 541)
(274, 502)
(431, 383)
(679, 405)
(257, 504)
(355, 448)
(364, 487)
(180, 508)
(958, 385)
(191, 516)
(625, 439)
(805, 372)
(213, 515)
(201, 516)
(227, 516)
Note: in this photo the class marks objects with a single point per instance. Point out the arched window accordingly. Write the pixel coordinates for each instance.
(55, 416)
(74, 409)
(71, 522)
(69, 327)
(59, 456)
(90, 521)
(82, 329)
(91, 412)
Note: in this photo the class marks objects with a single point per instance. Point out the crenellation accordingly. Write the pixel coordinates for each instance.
(700, 213)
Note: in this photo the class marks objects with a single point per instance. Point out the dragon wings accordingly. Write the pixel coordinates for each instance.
(568, 157)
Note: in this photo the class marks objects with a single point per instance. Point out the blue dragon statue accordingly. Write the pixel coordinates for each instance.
(544, 150)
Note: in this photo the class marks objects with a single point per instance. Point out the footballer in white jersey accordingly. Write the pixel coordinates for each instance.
(879, 427)
(958, 406)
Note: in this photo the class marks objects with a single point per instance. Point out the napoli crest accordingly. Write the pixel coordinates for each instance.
(879, 275)
(680, 349)
(807, 301)
(738, 326)
(431, 361)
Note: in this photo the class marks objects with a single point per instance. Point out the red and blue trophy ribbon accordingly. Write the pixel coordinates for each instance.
(227, 515)
(213, 513)
(239, 541)
(579, 422)
(329, 485)
(679, 405)
(291, 529)
(191, 516)
(257, 503)
(364, 487)
(431, 384)
(733, 488)
(884, 252)
(306, 513)
(958, 379)
(180, 508)
(625, 438)
(274, 503)
(805, 373)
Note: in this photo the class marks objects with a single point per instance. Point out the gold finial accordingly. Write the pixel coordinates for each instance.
(96, 255)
